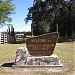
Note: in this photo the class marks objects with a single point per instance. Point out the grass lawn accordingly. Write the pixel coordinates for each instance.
(8, 51)
(65, 52)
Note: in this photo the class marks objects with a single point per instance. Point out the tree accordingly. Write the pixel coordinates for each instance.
(46, 14)
(42, 15)
(6, 9)
(65, 19)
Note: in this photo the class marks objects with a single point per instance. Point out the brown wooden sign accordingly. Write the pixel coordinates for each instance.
(42, 45)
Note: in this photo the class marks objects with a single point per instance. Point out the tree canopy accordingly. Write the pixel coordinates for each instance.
(42, 15)
(45, 14)
(6, 9)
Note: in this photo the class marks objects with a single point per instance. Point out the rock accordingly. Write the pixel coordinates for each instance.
(24, 58)
(33, 61)
(43, 60)
(21, 55)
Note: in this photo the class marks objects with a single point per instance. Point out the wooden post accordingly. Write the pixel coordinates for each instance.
(57, 30)
(31, 30)
(57, 27)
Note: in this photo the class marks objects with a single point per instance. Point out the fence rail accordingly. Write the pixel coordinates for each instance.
(3, 38)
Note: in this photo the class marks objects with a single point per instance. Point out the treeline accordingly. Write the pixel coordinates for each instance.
(51, 16)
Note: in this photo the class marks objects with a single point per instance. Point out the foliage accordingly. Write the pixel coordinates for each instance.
(45, 14)
(64, 18)
(6, 8)
(41, 15)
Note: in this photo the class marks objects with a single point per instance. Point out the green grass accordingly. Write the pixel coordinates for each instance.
(65, 52)
(7, 54)
(8, 51)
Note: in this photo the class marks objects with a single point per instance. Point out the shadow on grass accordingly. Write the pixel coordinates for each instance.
(7, 64)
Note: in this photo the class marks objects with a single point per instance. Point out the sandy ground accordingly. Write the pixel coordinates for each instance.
(39, 71)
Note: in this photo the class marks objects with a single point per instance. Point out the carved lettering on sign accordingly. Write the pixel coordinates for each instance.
(42, 45)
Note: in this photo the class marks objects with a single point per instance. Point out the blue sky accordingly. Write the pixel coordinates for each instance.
(21, 12)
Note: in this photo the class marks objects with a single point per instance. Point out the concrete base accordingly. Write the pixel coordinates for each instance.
(37, 66)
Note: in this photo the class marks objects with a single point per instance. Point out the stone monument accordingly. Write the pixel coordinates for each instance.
(38, 51)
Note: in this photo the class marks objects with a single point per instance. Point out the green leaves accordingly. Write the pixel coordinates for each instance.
(6, 9)
(41, 15)
(45, 14)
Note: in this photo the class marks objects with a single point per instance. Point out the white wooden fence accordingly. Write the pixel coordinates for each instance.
(3, 38)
